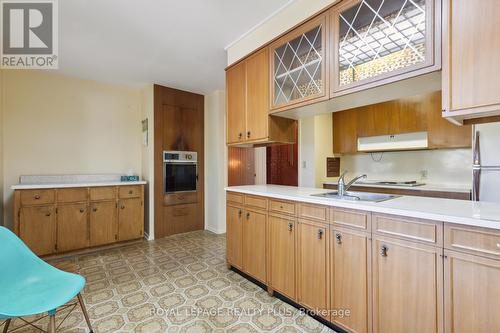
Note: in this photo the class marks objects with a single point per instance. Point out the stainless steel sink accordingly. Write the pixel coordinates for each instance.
(357, 196)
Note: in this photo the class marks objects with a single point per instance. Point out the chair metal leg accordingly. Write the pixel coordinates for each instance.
(52, 323)
(84, 310)
(6, 327)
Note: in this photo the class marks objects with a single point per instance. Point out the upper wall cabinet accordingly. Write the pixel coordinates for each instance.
(248, 119)
(299, 63)
(471, 61)
(375, 42)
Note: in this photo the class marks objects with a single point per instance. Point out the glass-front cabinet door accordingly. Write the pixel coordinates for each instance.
(299, 65)
(380, 41)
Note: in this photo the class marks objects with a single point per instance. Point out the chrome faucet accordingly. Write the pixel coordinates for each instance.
(342, 187)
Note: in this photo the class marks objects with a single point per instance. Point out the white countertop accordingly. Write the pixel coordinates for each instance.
(68, 185)
(427, 187)
(480, 214)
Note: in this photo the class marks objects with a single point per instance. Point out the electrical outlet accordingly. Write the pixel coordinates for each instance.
(424, 174)
(304, 164)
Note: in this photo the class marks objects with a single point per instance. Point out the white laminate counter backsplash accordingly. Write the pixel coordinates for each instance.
(452, 167)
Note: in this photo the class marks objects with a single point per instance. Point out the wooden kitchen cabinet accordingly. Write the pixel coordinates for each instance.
(236, 103)
(103, 223)
(72, 227)
(130, 221)
(254, 244)
(37, 228)
(282, 260)
(471, 65)
(299, 62)
(234, 236)
(350, 266)
(375, 44)
(407, 286)
(420, 113)
(312, 266)
(61, 220)
(472, 293)
(248, 119)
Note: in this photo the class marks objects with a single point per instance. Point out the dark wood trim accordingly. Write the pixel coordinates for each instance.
(403, 191)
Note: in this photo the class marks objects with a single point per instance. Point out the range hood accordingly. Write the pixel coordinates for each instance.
(405, 141)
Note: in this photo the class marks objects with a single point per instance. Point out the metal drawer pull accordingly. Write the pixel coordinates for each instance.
(239, 213)
(94, 209)
(82, 210)
(383, 250)
(130, 192)
(47, 214)
(248, 134)
(498, 245)
(320, 233)
(290, 226)
(37, 196)
(339, 238)
(248, 216)
(122, 207)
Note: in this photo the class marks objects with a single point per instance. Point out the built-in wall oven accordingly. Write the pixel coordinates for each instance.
(180, 171)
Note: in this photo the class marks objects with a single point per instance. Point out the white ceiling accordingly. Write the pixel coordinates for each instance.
(175, 43)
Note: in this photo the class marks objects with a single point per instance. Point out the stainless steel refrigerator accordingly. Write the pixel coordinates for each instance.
(486, 163)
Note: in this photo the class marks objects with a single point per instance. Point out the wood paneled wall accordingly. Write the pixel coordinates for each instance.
(282, 164)
(241, 166)
(179, 118)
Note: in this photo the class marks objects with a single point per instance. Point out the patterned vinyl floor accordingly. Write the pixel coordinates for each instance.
(176, 284)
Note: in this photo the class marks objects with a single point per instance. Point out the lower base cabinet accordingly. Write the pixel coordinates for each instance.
(407, 287)
(72, 227)
(472, 293)
(130, 224)
(103, 223)
(282, 237)
(254, 244)
(350, 265)
(37, 228)
(312, 272)
(234, 236)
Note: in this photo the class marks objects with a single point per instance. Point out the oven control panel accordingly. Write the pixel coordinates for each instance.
(180, 156)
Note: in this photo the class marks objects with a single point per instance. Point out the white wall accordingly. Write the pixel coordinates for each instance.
(55, 124)
(307, 159)
(296, 12)
(148, 159)
(215, 162)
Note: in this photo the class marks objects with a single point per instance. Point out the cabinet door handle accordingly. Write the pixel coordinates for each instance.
(47, 214)
(82, 210)
(290, 226)
(130, 192)
(37, 196)
(383, 250)
(339, 238)
(248, 134)
(240, 135)
(122, 207)
(320, 233)
(94, 209)
(239, 213)
(248, 216)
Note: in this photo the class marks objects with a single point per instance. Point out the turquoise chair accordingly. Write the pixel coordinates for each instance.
(29, 286)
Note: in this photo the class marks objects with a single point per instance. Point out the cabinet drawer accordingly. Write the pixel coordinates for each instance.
(72, 194)
(255, 202)
(102, 193)
(180, 198)
(283, 207)
(350, 218)
(425, 231)
(37, 197)
(235, 198)
(473, 240)
(313, 212)
(129, 191)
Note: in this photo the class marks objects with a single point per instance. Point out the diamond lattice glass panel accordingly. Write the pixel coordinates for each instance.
(297, 67)
(380, 36)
